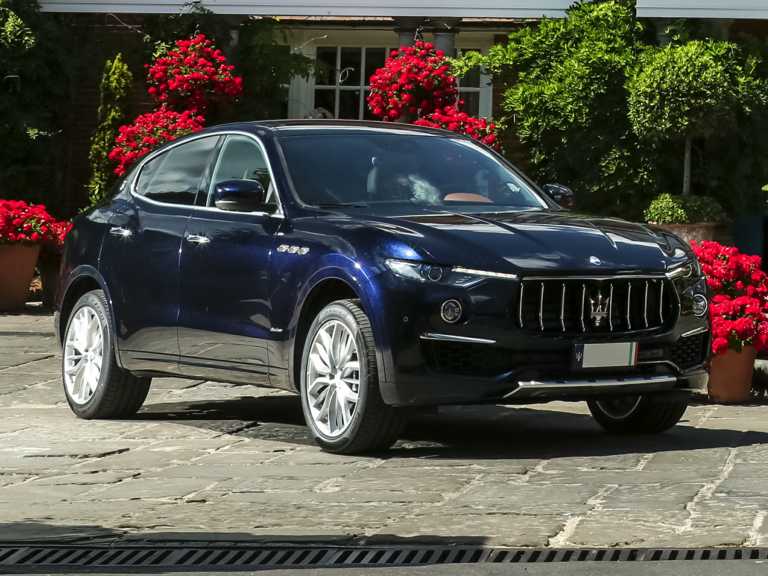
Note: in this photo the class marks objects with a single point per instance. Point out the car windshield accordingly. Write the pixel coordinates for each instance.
(385, 170)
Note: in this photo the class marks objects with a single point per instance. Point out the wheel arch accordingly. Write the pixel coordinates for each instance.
(82, 280)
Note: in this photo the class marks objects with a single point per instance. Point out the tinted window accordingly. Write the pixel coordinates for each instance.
(174, 177)
(380, 169)
(241, 158)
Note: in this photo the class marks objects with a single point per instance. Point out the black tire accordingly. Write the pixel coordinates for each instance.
(651, 414)
(374, 425)
(119, 394)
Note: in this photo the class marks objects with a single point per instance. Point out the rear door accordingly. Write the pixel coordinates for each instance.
(140, 259)
(225, 319)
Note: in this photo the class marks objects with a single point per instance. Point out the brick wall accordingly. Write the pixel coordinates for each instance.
(100, 37)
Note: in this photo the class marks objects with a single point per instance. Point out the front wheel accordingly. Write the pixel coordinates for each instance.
(340, 384)
(649, 414)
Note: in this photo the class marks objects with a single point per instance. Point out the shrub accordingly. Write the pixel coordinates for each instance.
(21, 222)
(692, 90)
(115, 85)
(669, 209)
(414, 81)
(739, 289)
(149, 131)
(566, 100)
(193, 75)
(450, 118)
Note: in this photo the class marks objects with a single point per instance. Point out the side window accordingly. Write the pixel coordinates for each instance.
(242, 159)
(175, 176)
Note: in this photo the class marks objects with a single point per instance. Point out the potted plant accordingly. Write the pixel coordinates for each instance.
(692, 218)
(738, 309)
(23, 228)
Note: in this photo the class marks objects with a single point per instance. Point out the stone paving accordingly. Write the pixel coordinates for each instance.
(205, 460)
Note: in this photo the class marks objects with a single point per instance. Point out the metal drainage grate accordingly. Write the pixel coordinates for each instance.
(161, 556)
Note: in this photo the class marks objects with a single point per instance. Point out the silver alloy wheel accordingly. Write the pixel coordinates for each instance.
(83, 355)
(333, 378)
(619, 408)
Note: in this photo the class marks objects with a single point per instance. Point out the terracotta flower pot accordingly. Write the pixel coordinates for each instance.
(730, 375)
(17, 266)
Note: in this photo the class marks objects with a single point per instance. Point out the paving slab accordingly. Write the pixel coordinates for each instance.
(208, 460)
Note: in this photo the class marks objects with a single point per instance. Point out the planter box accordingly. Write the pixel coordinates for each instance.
(17, 266)
(703, 231)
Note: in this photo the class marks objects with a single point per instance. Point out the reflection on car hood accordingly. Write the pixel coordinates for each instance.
(546, 241)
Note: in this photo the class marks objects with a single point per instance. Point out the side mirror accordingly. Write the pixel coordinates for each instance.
(240, 196)
(563, 195)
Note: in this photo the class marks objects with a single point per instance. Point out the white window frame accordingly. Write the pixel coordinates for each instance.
(302, 92)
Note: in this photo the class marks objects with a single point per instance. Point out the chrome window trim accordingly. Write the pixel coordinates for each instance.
(279, 213)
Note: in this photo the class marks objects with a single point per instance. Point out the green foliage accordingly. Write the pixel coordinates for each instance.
(690, 90)
(669, 209)
(267, 65)
(567, 102)
(115, 86)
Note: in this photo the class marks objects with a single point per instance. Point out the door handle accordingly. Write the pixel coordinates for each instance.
(120, 231)
(198, 239)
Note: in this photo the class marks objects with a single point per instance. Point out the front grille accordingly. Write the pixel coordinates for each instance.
(689, 352)
(481, 360)
(596, 306)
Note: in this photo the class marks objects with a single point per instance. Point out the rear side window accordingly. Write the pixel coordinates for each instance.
(175, 176)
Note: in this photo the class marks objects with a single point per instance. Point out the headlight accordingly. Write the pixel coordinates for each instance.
(456, 275)
(689, 269)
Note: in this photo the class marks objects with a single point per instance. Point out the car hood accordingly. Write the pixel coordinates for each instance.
(545, 241)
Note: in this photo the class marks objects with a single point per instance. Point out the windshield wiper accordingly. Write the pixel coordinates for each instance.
(341, 205)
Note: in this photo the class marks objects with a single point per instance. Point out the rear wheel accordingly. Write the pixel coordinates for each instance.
(340, 384)
(649, 414)
(95, 386)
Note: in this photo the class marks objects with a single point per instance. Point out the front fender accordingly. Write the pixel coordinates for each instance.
(362, 280)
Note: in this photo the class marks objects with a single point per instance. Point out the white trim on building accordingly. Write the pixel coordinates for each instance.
(711, 9)
(392, 8)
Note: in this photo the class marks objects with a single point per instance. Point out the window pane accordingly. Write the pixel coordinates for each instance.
(349, 75)
(174, 177)
(374, 59)
(349, 104)
(471, 102)
(241, 159)
(325, 66)
(325, 100)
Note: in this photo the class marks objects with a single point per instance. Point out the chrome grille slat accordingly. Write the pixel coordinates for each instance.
(562, 305)
(645, 305)
(562, 308)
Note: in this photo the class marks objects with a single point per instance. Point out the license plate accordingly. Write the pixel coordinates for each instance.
(609, 355)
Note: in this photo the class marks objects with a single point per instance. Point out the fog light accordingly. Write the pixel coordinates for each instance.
(700, 305)
(451, 311)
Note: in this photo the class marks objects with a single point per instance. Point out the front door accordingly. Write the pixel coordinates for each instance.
(224, 324)
(140, 257)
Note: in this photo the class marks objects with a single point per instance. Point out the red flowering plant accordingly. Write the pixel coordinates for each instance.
(414, 81)
(739, 305)
(192, 75)
(134, 141)
(25, 223)
(451, 118)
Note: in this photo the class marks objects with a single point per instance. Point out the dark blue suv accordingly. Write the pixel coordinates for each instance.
(374, 269)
